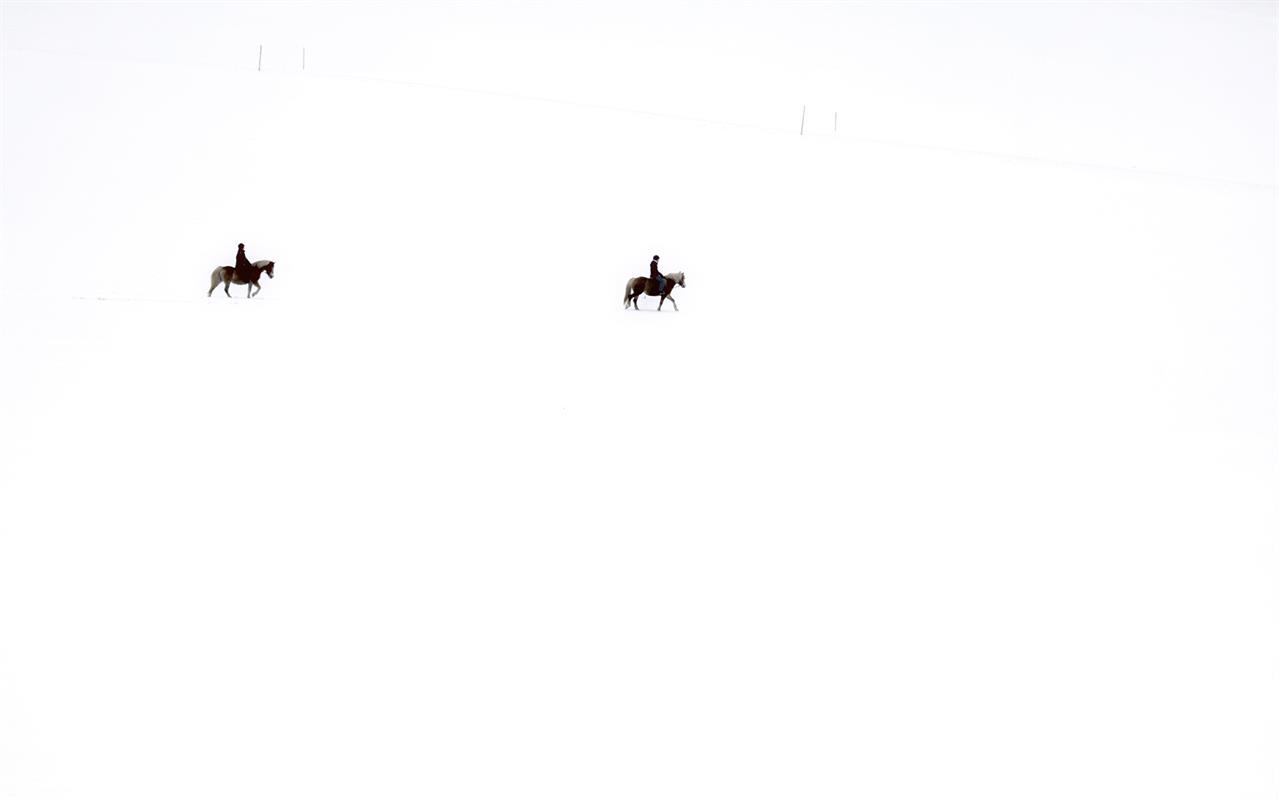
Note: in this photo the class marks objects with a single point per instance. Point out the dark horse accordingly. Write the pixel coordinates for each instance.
(226, 275)
(642, 285)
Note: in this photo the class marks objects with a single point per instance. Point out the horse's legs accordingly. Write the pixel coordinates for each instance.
(660, 301)
(249, 293)
(226, 286)
(672, 299)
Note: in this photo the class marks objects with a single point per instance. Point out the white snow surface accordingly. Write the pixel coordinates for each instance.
(953, 475)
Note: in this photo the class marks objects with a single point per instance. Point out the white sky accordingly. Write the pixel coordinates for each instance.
(962, 447)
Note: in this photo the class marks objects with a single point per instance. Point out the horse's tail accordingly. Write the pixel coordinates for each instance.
(626, 295)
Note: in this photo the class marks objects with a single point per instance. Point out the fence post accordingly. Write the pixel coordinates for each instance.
(802, 115)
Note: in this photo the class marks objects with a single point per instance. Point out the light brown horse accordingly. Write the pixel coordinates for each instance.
(226, 275)
(642, 285)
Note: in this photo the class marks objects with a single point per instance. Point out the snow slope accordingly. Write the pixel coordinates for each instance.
(953, 473)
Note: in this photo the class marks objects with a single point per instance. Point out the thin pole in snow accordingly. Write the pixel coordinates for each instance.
(259, 58)
(303, 58)
(837, 122)
(802, 114)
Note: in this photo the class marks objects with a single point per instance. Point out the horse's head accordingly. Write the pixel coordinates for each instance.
(679, 279)
(270, 269)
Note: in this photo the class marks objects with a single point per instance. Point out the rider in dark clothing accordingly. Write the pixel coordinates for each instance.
(241, 260)
(656, 276)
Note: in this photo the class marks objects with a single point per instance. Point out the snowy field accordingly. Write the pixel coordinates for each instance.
(952, 476)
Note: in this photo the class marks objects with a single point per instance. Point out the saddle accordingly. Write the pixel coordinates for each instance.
(246, 274)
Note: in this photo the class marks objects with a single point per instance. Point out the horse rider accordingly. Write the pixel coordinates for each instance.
(656, 276)
(242, 261)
